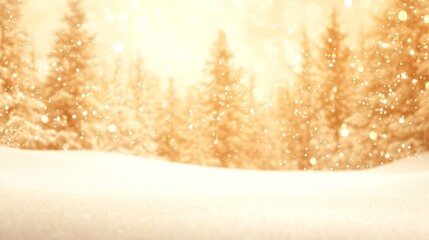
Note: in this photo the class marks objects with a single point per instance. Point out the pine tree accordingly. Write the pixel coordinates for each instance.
(399, 61)
(306, 111)
(144, 101)
(10, 38)
(269, 149)
(119, 123)
(422, 116)
(253, 131)
(361, 145)
(20, 109)
(287, 128)
(72, 87)
(224, 106)
(170, 134)
(196, 147)
(335, 85)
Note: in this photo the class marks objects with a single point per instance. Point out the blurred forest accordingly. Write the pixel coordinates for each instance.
(351, 108)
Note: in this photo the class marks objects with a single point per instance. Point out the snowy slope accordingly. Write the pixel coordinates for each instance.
(86, 195)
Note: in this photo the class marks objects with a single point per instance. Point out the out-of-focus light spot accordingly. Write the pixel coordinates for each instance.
(66, 147)
(412, 52)
(298, 58)
(44, 119)
(348, 3)
(386, 155)
(134, 4)
(118, 47)
(361, 69)
(112, 128)
(122, 18)
(403, 16)
(401, 120)
(313, 161)
(344, 132)
(373, 135)
(110, 18)
(426, 19)
(427, 86)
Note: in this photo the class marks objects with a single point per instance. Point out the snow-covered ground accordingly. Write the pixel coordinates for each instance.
(87, 195)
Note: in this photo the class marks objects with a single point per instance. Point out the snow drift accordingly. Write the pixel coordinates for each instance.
(88, 195)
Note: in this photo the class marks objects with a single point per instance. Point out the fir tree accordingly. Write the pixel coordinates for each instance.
(10, 39)
(224, 106)
(398, 59)
(307, 99)
(361, 145)
(196, 149)
(335, 85)
(72, 87)
(269, 149)
(169, 136)
(288, 128)
(119, 122)
(144, 100)
(422, 116)
(252, 131)
(20, 107)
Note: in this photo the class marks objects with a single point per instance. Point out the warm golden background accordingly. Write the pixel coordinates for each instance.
(345, 83)
(174, 35)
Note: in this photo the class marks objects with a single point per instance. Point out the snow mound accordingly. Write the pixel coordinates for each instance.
(415, 164)
(90, 195)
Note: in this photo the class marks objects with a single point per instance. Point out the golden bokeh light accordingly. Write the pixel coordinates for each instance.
(403, 16)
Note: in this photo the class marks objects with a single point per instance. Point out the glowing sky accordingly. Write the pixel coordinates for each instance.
(175, 36)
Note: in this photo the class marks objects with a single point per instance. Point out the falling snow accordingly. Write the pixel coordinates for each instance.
(346, 102)
(256, 85)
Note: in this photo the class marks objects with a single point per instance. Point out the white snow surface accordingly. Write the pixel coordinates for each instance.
(91, 195)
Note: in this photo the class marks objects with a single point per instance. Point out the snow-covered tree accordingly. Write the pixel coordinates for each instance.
(72, 88)
(170, 134)
(256, 131)
(269, 148)
(422, 117)
(119, 124)
(196, 149)
(133, 104)
(398, 61)
(306, 100)
(335, 85)
(20, 107)
(144, 101)
(224, 106)
(287, 127)
(360, 145)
